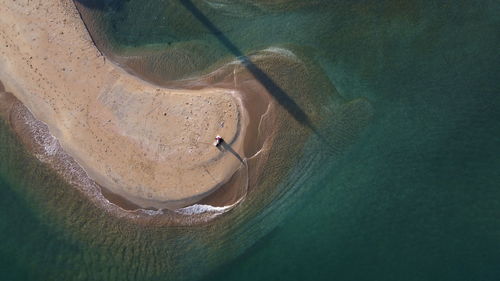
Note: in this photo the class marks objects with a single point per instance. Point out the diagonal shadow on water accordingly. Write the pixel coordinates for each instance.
(278, 94)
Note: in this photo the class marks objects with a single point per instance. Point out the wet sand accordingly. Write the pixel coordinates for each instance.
(149, 145)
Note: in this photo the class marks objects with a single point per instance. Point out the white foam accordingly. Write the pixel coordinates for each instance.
(201, 209)
(51, 145)
(282, 51)
(216, 5)
(152, 212)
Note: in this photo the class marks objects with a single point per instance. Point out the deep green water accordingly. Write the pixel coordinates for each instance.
(415, 195)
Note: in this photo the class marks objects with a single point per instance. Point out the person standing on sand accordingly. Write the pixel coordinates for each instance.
(218, 141)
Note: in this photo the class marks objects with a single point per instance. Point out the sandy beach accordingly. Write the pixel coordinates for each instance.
(147, 144)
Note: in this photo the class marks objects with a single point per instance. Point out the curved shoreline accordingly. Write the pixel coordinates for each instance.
(36, 137)
(36, 106)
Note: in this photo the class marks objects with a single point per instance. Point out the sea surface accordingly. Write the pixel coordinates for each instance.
(397, 179)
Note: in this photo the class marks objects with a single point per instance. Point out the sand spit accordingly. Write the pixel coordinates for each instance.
(150, 145)
(38, 140)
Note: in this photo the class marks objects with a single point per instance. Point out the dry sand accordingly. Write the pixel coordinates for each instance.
(150, 145)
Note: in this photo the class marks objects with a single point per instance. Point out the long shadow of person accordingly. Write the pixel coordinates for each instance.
(224, 146)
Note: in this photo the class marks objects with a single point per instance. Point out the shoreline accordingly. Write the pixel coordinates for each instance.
(19, 91)
(36, 138)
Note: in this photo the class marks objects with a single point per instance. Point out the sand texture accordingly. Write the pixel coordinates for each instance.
(148, 144)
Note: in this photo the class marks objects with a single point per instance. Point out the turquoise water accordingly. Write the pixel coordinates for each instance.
(414, 194)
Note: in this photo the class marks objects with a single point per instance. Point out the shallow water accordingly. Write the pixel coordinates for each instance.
(399, 181)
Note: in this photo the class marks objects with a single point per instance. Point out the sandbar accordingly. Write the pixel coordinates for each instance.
(148, 144)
